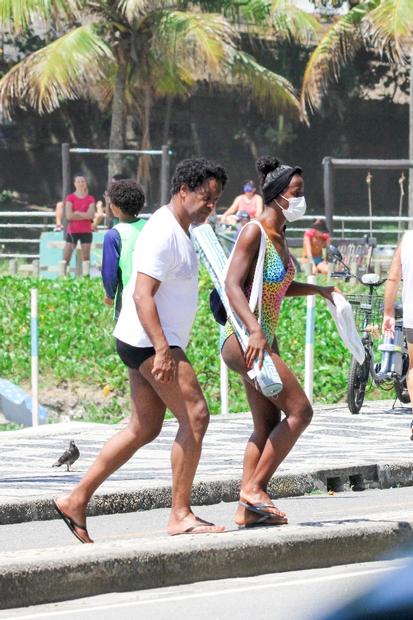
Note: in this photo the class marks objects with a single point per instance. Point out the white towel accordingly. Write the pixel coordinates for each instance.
(342, 314)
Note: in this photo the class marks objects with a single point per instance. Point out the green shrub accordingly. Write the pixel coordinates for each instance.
(76, 343)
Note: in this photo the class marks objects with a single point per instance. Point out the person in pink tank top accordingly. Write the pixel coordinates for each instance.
(79, 211)
(249, 202)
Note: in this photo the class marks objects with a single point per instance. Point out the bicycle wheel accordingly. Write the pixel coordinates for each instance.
(401, 388)
(357, 381)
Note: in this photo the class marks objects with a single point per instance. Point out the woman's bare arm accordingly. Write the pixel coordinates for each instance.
(244, 256)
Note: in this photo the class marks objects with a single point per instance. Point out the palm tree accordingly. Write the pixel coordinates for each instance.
(129, 52)
(383, 25)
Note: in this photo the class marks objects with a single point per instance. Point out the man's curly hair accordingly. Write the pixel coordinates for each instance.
(127, 195)
(193, 173)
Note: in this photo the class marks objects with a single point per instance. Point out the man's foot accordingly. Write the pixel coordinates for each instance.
(193, 525)
(75, 520)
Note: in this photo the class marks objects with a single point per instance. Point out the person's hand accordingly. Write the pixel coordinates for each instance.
(327, 292)
(388, 324)
(108, 301)
(257, 344)
(164, 366)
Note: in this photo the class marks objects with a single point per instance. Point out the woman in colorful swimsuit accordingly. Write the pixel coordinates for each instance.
(272, 437)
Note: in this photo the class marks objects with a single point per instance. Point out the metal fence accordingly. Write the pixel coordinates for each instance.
(15, 246)
(30, 224)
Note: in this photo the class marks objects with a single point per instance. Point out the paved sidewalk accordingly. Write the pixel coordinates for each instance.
(335, 439)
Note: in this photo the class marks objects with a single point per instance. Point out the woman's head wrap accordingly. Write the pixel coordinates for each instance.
(277, 180)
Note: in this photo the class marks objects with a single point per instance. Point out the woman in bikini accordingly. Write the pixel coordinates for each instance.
(272, 437)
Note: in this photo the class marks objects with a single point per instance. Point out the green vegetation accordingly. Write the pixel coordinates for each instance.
(76, 345)
(10, 426)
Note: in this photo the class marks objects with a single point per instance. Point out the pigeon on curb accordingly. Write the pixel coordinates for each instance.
(69, 456)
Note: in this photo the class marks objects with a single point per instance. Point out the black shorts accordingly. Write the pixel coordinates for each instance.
(409, 334)
(75, 237)
(133, 357)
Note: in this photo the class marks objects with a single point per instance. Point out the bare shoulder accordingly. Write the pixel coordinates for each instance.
(249, 238)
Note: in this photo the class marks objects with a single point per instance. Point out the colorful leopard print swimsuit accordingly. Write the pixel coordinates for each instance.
(276, 280)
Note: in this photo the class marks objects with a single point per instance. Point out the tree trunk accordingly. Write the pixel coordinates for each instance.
(117, 128)
(144, 164)
(167, 120)
(411, 139)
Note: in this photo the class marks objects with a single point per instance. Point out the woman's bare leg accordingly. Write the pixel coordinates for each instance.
(261, 461)
(85, 248)
(147, 415)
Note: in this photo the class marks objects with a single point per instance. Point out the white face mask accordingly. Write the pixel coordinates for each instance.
(296, 208)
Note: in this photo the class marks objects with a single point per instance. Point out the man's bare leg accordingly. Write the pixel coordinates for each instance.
(409, 379)
(185, 399)
(147, 415)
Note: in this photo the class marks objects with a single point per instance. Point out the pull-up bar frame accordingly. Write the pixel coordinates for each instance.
(329, 165)
(164, 153)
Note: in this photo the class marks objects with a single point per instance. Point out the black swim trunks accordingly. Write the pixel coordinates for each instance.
(133, 357)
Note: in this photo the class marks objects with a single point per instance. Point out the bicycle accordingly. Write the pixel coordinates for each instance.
(368, 315)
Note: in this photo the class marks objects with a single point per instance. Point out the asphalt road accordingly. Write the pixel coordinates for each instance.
(298, 595)
(315, 509)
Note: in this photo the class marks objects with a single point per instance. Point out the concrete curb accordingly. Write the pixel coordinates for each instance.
(357, 477)
(50, 575)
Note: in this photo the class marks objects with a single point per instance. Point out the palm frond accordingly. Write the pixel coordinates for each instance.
(135, 9)
(270, 90)
(390, 27)
(17, 15)
(291, 22)
(204, 42)
(337, 47)
(61, 70)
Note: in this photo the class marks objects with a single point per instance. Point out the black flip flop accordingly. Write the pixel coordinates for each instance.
(264, 521)
(71, 524)
(259, 508)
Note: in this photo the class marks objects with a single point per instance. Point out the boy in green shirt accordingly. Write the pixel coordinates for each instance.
(126, 202)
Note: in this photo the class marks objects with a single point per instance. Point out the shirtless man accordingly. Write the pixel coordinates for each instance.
(158, 308)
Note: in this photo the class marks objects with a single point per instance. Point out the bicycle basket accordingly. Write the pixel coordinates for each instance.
(367, 310)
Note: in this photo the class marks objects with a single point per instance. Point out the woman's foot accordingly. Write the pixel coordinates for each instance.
(75, 518)
(258, 509)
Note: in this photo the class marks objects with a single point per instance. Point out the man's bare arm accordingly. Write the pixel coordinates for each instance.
(390, 290)
(164, 366)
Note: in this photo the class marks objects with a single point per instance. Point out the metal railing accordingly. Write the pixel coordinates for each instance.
(390, 227)
(5, 242)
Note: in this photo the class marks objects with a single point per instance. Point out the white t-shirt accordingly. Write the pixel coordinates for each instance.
(165, 252)
(407, 274)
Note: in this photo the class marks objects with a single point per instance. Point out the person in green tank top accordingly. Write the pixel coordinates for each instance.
(126, 202)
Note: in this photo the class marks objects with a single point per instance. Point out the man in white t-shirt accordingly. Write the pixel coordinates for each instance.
(158, 308)
(401, 268)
